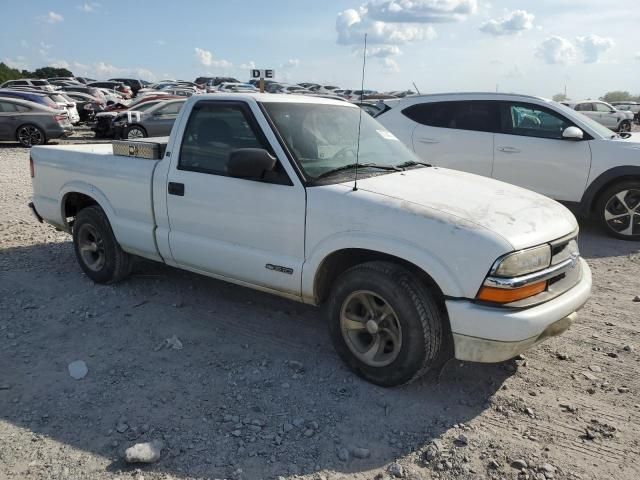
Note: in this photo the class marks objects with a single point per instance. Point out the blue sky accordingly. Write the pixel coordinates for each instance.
(527, 46)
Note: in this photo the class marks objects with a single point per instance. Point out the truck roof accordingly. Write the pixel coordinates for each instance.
(271, 98)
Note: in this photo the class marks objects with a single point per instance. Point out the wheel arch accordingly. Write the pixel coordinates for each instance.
(339, 261)
(603, 182)
(77, 195)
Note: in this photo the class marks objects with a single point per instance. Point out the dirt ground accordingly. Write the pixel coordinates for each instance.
(256, 390)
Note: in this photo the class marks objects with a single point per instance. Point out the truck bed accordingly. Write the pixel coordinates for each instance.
(122, 185)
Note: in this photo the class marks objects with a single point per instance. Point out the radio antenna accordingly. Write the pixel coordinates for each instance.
(364, 63)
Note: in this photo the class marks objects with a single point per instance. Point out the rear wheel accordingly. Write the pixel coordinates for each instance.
(97, 249)
(384, 324)
(30, 135)
(133, 132)
(618, 210)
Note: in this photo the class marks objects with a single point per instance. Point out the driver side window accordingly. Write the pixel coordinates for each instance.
(532, 121)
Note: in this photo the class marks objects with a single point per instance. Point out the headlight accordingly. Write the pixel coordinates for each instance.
(523, 262)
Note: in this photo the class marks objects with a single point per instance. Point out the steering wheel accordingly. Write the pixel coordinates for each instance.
(342, 153)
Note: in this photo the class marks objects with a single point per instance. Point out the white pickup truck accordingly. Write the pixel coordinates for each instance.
(413, 263)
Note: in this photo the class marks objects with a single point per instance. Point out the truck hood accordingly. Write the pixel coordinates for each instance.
(521, 217)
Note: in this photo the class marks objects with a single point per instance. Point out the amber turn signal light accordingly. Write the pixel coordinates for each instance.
(504, 295)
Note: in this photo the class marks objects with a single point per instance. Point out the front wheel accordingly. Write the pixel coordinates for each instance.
(133, 132)
(625, 126)
(618, 210)
(384, 324)
(30, 135)
(97, 249)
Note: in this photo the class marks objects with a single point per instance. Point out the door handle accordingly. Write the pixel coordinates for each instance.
(509, 149)
(176, 189)
(428, 140)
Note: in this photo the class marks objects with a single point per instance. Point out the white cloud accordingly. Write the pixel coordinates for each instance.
(19, 63)
(637, 56)
(205, 57)
(592, 46)
(514, 22)
(421, 11)
(103, 70)
(88, 7)
(59, 64)
(382, 51)
(45, 46)
(160, 43)
(514, 72)
(53, 17)
(351, 26)
(221, 64)
(24, 44)
(248, 66)
(557, 50)
(291, 63)
(389, 65)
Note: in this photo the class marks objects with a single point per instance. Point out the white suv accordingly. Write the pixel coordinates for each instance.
(604, 114)
(530, 142)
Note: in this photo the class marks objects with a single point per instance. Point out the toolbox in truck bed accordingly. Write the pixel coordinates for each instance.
(150, 148)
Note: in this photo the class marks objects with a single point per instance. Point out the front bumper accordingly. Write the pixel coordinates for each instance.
(492, 334)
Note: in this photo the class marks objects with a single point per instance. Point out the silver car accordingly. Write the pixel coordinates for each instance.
(31, 123)
(156, 121)
(604, 114)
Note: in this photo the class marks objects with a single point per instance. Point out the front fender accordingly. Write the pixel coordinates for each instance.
(435, 267)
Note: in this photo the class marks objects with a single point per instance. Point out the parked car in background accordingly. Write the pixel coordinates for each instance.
(603, 113)
(121, 88)
(236, 87)
(104, 121)
(286, 88)
(85, 80)
(156, 121)
(29, 95)
(31, 123)
(29, 82)
(530, 142)
(210, 84)
(132, 83)
(93, 91)
(63, 102)
(87, 105)
(633, 107)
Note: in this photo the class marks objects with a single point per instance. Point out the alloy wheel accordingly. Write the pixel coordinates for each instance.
(29, 136)
(91, 247)
(625, 127)
(370, 328)
(135, 133)
(622, 212)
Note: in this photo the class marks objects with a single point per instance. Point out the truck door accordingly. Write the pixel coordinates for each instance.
(243, 230)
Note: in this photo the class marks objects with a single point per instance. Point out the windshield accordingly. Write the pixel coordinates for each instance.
(325, 137)
(599, 128)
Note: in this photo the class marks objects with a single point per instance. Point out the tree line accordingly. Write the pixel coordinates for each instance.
(8, 73)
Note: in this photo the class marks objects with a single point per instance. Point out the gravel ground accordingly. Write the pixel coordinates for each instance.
(250, 387)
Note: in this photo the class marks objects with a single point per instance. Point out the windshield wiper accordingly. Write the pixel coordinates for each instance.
(412, 163)
(352, 166)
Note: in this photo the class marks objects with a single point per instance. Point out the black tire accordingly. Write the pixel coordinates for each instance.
(29, 135)
(108, 263)
(415, 312)
(625, 126)
(134, 128)
(617, 215)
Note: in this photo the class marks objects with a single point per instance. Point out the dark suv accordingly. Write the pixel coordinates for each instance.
(132, 83)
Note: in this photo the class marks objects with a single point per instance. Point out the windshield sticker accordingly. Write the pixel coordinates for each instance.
(387, 135)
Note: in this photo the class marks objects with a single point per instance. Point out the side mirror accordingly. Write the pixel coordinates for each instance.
(573, 133)
(250, 163)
